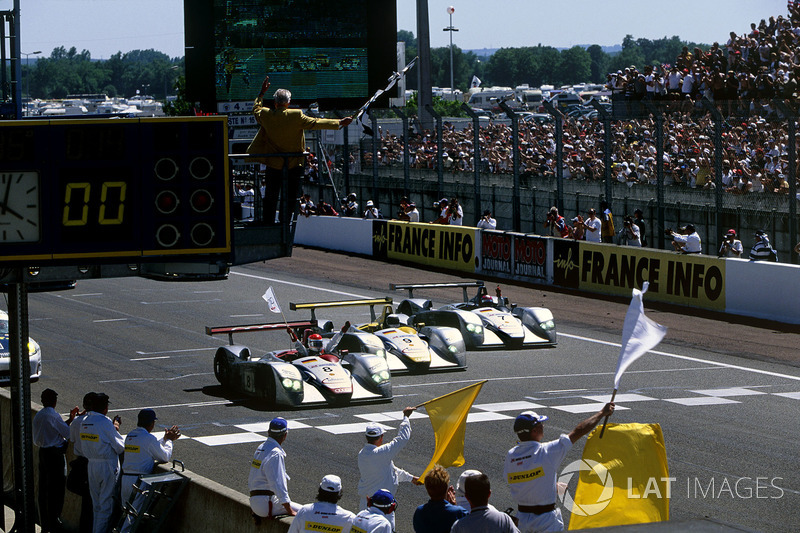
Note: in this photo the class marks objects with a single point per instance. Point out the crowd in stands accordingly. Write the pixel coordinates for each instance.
(742, 77)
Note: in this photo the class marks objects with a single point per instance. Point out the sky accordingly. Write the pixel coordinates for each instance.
(105, 27)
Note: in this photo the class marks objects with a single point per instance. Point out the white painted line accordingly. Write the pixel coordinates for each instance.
(687, 358)
(160, 435)
(621, 398)
(152, 358)
(206, 292)
(246, 316)
(111, 320)
(486, 417)
(157, 379)
(585, 407)
(167, 406)
(388, 417)
(703, 400)
(235, 438)
(508, 406)
(792, 395)
(562, 390)
(263, 427)
(87, 294)
(733, 391)
(304, 286)
(341, 429)
(182, 302)
(174, 351)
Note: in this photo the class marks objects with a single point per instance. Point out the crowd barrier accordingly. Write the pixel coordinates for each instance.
(204, 506)
(734, 286)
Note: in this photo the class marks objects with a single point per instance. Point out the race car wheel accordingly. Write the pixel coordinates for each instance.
(222, 369)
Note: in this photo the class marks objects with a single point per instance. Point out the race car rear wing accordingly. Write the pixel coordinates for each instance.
(230, 330)
(371, 302)
(410, 288)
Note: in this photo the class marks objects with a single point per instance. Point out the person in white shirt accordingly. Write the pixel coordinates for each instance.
(531, 468)
(102, 444)
(378, 517)
(455, 213)
(375, 460)
(593, 225)
(731, 246)
(688, 241)
(142, 451)
(78, 466)
(50, 434)
(267, 481)
(324, 514)
(486, 221)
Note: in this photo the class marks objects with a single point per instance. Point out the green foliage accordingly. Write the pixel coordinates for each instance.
(69, 72)
(180, 106)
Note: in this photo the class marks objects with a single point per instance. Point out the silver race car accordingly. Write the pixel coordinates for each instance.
(406, 349)
(34, 353)
(306, 375)
(486, 322)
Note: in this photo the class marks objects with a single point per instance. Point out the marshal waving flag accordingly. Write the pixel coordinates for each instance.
(448, 416)
(271, 300)
(639, 334)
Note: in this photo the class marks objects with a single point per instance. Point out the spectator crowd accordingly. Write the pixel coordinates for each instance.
(742, 77)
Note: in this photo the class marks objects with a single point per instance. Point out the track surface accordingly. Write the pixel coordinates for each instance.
(726, 394)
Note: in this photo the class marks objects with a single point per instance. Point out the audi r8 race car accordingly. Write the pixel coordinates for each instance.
(486, 322)
(406, 349)
(302, 376)
(34, 353)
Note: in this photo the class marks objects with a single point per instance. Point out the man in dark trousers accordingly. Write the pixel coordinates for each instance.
(50, 434)
(282, 131)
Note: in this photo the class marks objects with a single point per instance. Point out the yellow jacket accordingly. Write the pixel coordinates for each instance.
(281, 131)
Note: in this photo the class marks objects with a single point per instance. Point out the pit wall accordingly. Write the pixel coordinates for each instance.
(734, 286)
(204, 506)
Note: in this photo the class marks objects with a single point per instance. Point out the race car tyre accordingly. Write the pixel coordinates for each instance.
(222, 369)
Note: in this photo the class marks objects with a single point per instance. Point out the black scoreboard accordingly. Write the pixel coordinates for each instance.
(104, 191)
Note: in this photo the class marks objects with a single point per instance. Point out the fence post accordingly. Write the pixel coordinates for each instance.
(375, 137)
(533, 209)
(791, 115)
(659, 118)
(476, 161)
(515, 161)
(406, 155)
(439, 169)
(716, 116)
(605, 117)
(559, 118)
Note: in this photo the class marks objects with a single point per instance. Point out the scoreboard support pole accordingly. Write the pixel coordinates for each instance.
(21, 423)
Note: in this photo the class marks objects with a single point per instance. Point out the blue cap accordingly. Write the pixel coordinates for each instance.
(526, 421)
(146, 417)
(382, 498)
(278, 425)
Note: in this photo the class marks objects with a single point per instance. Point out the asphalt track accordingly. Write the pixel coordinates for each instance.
(725, 393)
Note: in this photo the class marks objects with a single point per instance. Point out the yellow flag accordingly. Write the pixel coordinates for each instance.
(448, 415)
(625, 480)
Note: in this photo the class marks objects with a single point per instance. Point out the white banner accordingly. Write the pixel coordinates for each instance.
(272, 301)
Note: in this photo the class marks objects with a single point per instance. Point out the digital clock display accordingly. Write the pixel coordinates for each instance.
(118, 190)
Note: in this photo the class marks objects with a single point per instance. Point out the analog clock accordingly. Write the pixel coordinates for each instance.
(20, 206)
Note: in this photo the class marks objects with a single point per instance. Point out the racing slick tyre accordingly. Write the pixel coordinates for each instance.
(222, 369)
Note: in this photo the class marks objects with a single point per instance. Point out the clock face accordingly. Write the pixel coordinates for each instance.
(19, 207)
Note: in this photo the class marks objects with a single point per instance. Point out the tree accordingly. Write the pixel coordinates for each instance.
(599, 64)
(575, 65)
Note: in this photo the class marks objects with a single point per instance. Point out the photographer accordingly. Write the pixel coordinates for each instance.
(486, 221)
(687, 241)
(556, 223)
(455, 213)
(629, 234)
(731, 246)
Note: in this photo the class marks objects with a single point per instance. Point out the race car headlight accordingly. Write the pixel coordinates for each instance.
(547, 325)
(453, 349)
(381, 352)
(471, 328)
(33, 349)
(381, 376)
(291, 384)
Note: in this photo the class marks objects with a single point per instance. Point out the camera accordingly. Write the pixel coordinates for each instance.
(668, 232)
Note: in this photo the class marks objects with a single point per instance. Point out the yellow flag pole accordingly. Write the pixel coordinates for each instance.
(603, 430)
(451, 393)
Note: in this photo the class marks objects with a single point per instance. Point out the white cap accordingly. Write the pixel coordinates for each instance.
(331, 483)
(463, 477)
(373, 430)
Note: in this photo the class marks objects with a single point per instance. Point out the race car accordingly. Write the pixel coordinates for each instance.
(407, 350)
(486, 322)
(34, 353)
(303, 376)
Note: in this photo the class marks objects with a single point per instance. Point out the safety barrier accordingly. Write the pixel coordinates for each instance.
(734, 286)
(204, 506)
